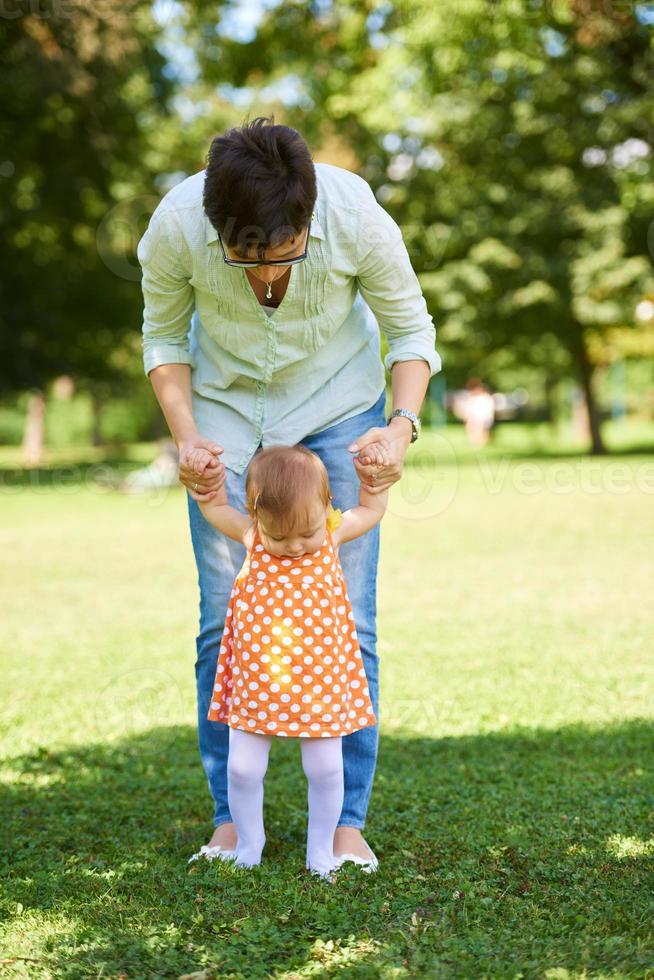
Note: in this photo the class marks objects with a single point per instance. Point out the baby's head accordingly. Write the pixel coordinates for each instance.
(287, 494)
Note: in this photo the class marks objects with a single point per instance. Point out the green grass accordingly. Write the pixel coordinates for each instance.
(513, 810)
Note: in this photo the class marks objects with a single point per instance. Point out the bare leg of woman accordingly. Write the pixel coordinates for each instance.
(246, 766)
(322, 761)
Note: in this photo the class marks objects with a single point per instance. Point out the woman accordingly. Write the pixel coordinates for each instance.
(259, 275)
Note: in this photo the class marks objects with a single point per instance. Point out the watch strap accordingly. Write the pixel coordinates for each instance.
(413, 418)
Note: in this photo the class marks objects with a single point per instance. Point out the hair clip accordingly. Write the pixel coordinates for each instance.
(256, 500)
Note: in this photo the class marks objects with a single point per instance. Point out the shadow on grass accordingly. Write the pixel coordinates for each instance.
(524, 850)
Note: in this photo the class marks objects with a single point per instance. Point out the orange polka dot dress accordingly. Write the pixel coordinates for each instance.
(290, 661)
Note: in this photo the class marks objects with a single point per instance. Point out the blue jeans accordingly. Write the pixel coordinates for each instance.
(219, 560)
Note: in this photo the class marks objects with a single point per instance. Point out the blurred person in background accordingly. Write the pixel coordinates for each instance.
(475, 406)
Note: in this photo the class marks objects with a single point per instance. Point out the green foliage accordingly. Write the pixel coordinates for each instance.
(75, 86)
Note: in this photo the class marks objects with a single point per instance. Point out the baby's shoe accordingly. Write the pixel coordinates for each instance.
(212, 852)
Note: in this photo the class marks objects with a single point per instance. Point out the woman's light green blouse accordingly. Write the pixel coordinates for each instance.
(259, 378)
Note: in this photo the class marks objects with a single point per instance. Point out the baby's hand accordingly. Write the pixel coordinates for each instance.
(376, 454)
(197, 459)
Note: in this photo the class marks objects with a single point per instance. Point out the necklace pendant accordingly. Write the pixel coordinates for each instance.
(269, 291)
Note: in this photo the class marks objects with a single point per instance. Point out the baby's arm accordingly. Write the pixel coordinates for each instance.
(218, 511)
(372, 506)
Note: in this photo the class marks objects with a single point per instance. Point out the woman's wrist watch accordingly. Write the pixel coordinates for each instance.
(413, 418)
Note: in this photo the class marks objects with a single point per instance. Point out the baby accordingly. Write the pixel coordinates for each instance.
(289, 663)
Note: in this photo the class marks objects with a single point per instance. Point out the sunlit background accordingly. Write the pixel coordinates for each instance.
(513, 807)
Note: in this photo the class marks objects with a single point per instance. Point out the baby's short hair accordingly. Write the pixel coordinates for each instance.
(283, 482)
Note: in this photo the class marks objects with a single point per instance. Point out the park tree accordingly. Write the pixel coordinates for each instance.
(510, 140)
(82, 87)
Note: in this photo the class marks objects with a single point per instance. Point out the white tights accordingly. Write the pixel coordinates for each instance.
(322, 761)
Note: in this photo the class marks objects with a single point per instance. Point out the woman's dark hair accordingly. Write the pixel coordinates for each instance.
(260, 185)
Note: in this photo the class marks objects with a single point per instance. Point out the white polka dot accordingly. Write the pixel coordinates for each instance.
(294, 726)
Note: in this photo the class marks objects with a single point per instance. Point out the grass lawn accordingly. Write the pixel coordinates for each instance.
(513, 810)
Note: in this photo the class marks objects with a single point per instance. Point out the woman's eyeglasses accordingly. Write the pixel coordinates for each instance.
(248, 264)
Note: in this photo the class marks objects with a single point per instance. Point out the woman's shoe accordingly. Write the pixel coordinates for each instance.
(212, 852)
(366, 864)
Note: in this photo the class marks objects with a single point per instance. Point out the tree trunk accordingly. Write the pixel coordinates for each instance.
(96, 435)
(548, 397)
(32, 445)
(585, 372)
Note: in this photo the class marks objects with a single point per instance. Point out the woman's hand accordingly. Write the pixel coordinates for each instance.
(381, 442)
(200, 470)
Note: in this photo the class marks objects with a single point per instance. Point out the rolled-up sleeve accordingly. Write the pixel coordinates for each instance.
(167, 293)
(391, 289)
